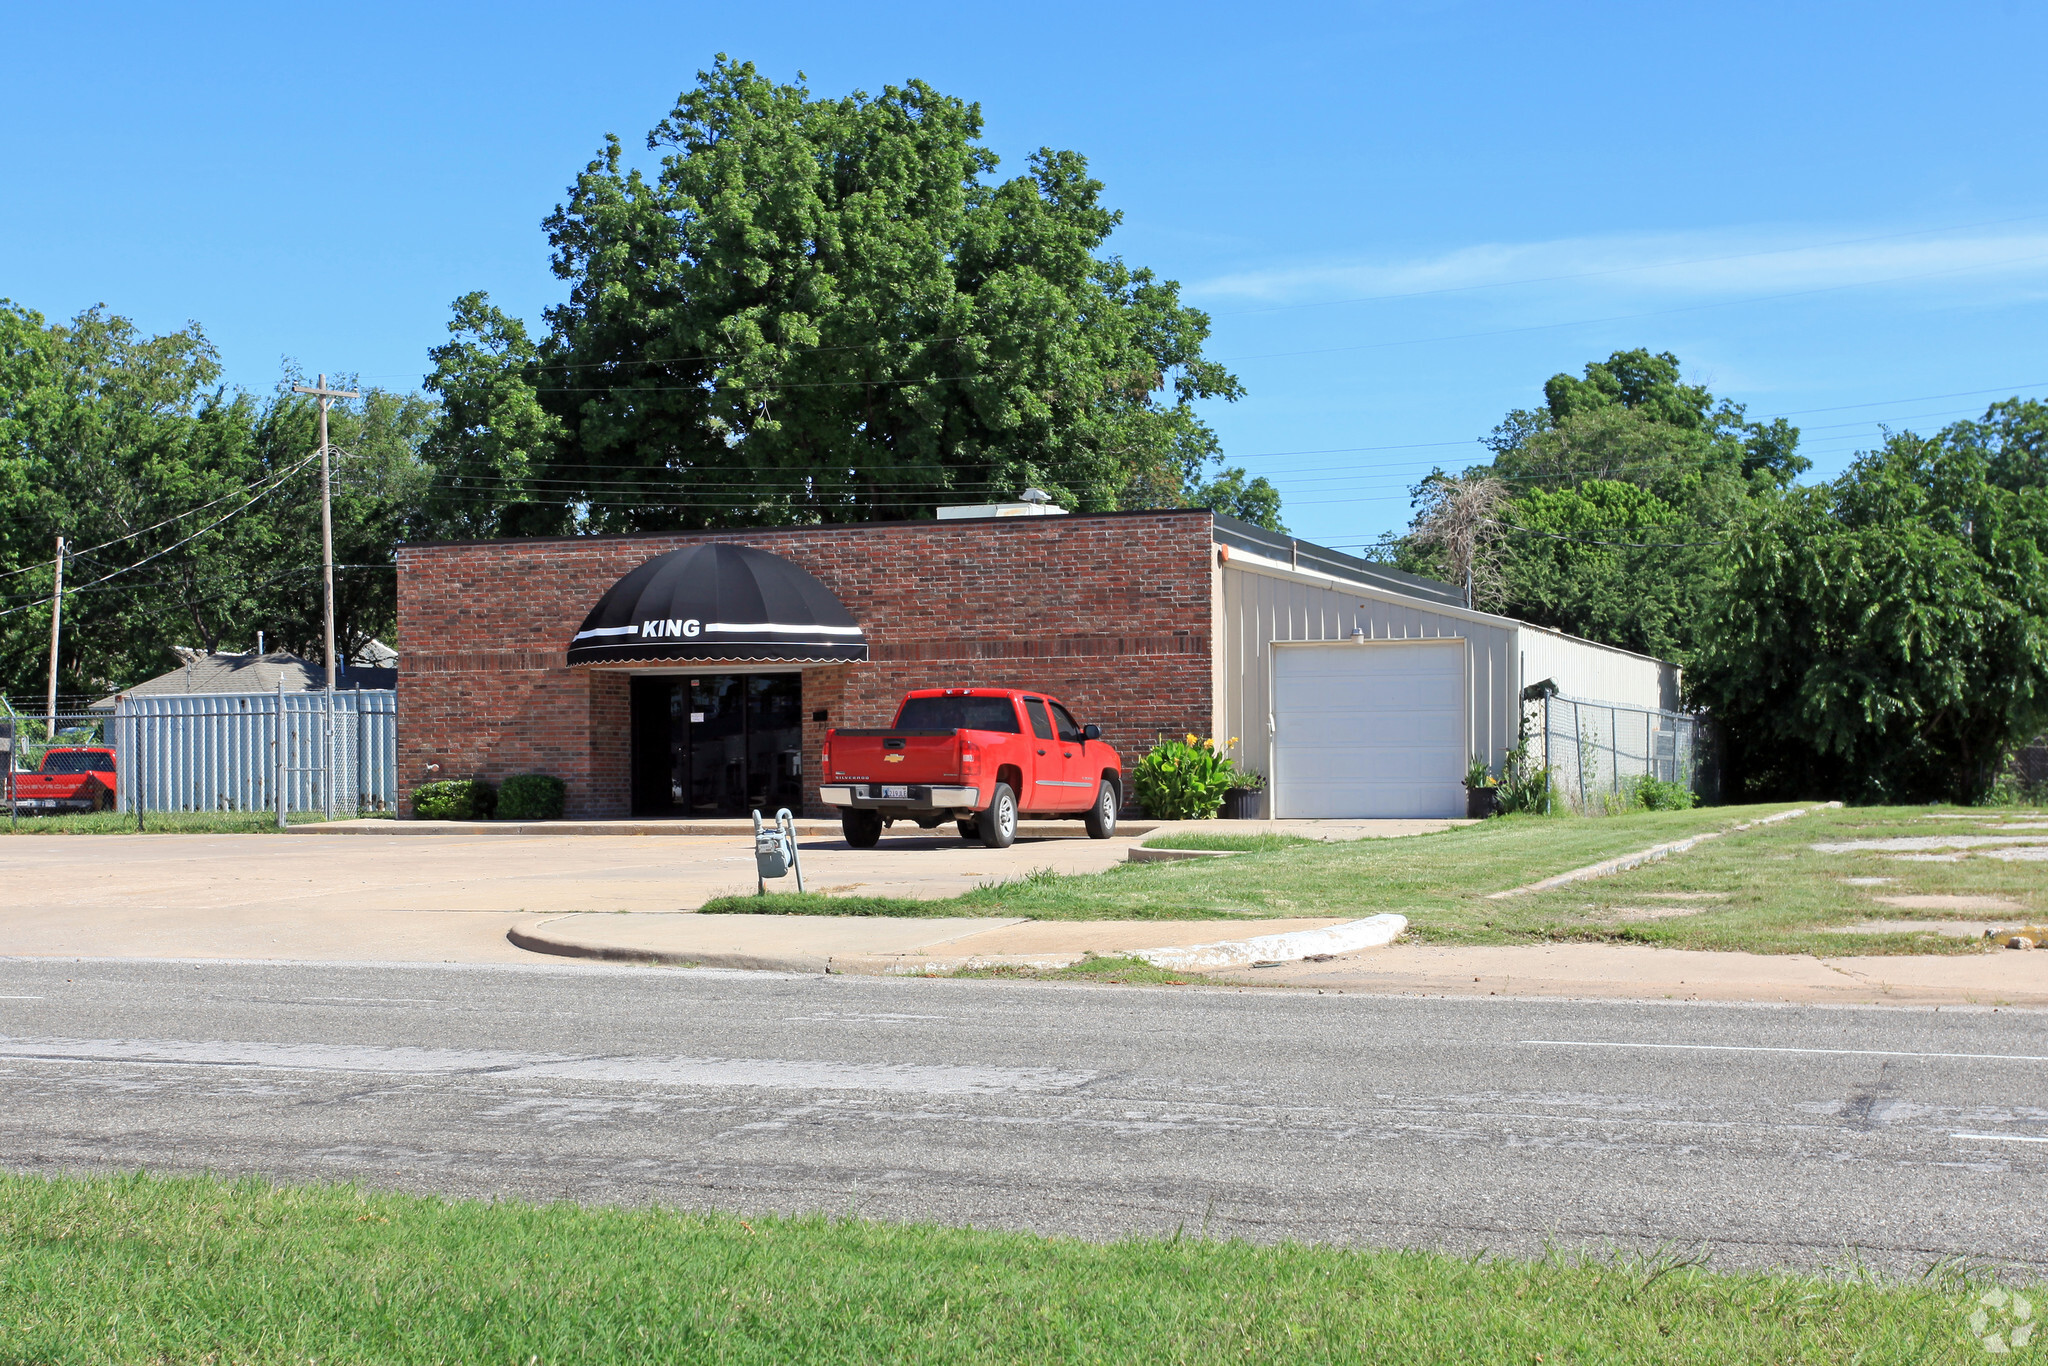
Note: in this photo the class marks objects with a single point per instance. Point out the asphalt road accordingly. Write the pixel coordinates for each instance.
(1769, 1134)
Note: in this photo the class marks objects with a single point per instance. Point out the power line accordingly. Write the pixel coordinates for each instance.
(176, 517)
(10, 611)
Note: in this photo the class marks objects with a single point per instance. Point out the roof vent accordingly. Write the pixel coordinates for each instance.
(1035, 508)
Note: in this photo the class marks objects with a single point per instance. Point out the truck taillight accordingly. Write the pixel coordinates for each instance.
(968, 754)
(825, 760)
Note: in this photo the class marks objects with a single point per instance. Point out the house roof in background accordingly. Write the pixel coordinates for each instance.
(250, 673)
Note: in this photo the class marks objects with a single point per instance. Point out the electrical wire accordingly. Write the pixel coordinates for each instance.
(126, 569)
(177, 517)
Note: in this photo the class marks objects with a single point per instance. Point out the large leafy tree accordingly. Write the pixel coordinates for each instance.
(831, 309)
(191, 512)
(1621, 486)
(1885, 636)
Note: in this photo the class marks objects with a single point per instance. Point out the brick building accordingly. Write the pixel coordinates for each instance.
(1358, 690)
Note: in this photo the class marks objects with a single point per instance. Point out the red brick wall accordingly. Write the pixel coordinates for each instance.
(1111, 614)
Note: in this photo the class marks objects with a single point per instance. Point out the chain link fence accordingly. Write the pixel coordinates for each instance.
(227, 751)
(1596, 751)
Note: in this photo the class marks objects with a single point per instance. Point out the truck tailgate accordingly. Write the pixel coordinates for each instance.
(895, 756)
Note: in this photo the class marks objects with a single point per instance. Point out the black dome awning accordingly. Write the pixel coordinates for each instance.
(718, 601)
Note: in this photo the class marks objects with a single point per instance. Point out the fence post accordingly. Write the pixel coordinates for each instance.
(136, 727)
(327, 758)
(280, 757)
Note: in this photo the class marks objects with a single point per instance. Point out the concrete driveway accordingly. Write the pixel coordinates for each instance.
(396, 898)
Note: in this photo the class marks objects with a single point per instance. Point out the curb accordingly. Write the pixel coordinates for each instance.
(1373, 932)
(533, 942)
(807, 827)
(1139, 854)
(1653, 853)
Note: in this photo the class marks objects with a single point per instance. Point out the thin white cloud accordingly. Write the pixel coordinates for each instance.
(1669, 265)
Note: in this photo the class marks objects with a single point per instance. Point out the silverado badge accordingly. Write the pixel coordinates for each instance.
(892, 758)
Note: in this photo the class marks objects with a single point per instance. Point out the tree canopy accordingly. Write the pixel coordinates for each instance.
(1620, 487)
(191, 513)
(831, 309)
(1884, 637)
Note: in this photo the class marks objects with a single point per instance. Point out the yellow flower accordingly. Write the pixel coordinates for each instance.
(1208, 742)
(1233, 739)
(1191, 737)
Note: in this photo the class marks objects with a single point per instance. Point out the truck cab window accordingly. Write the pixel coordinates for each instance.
(1041, 724)
(1069, 732)
(958, 713)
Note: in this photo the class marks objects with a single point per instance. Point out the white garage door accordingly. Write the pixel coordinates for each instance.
(1371, 729)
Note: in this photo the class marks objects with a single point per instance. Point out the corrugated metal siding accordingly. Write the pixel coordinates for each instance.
(1261, 608)
(1583, 669)
(217, 751)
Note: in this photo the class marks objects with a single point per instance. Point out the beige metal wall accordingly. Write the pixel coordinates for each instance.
(1599, 673)
(1259, 606)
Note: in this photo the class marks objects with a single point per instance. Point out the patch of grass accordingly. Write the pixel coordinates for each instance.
(169, 822)
(144, 1270)
(1264, 843)
(820, 903)
(1117, 970)
(1778, 894)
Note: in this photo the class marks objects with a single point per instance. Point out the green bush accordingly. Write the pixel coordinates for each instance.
(455, 799)
(1524, 787)
(1656, 795)
(1183, 780)
(531, 797)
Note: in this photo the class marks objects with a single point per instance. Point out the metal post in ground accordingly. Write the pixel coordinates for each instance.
(279, 758)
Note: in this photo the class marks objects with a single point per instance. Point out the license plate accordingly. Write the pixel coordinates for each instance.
(901, 792)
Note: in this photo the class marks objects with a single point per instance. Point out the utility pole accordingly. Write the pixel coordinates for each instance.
(56, 628)
(325, 395)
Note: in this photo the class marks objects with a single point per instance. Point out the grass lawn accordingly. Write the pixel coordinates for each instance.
(1237, 844)
(1761, 890)
(164, 822)
(143, 1270)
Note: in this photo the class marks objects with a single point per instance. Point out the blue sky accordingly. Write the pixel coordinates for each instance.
(1404, 217)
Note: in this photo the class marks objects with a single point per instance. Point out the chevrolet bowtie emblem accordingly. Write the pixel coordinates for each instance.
(892, 758)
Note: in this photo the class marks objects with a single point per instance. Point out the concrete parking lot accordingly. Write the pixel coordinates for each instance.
(402, 899)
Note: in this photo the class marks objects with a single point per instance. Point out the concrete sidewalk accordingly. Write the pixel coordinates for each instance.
(870, 944)
(888, 945)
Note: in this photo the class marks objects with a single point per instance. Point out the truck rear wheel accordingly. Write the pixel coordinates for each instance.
(998, 824)
(1101, 817)
(862, 828)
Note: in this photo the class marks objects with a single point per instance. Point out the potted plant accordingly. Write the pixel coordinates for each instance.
(1482, 791)
(1246, 799)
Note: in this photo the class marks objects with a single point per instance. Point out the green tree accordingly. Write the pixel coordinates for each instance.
(1623, 484)
(829, 309)
(191, 512)
(1884, 637)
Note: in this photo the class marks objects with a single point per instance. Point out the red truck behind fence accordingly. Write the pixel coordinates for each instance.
(981, 757)
(69, 778)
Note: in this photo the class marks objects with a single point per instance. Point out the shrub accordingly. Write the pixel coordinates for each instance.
(1657, 795)
(1185, 779)
(1523, 786)
(531, 797)
(455, 799)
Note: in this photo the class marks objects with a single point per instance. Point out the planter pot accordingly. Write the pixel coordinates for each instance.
(1481, 802)
(1243, 804)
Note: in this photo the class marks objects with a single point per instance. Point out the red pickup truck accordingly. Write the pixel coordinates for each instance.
(979, 756)
(70, 778)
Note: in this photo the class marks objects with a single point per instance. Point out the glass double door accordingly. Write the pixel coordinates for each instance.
(718, 744)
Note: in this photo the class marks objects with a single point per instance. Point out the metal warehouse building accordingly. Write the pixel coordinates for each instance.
(696, 673)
